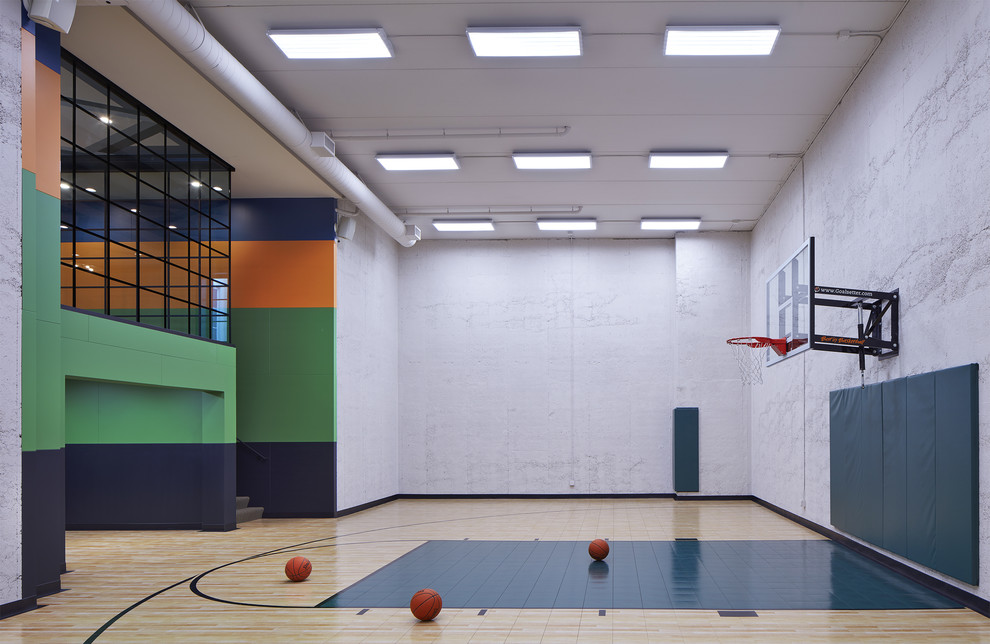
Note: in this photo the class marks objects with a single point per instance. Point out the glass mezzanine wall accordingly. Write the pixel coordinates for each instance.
(145, 213)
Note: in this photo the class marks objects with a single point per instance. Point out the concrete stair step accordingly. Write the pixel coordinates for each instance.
(243, 515)
(242, 502)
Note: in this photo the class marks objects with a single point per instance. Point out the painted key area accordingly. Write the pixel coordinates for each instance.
(726, 575)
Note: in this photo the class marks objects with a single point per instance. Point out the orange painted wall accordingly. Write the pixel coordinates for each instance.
(283, 274)
(40, 104)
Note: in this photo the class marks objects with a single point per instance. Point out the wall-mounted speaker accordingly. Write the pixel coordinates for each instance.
(56, 14)
(346, 227)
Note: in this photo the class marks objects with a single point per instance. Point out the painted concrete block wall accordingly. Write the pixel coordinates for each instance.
(10, 302)
(895, 192)
(712, 306)
(368, 420)
(526, 365)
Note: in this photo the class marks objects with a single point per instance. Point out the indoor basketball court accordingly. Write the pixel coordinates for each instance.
(666, 327)
(512, 569)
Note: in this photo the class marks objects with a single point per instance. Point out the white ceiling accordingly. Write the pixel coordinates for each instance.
(620, 100)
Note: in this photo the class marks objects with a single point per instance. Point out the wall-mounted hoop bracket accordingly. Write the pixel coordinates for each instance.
(870, 341)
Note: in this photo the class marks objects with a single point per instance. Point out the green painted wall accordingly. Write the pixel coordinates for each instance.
(108, 413)
(285, 374)
(121, 354)
(42, 387)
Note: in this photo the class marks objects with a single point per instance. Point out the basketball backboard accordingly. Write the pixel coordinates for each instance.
(789, 312)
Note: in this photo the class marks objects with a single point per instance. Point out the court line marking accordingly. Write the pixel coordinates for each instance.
(284, 549)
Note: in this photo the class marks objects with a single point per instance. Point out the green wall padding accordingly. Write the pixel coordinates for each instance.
(905, 467)
(957, 473)
(686, 451)
(920, 455)
(895, 474)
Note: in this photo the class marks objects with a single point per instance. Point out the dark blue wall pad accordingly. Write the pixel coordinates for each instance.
(685, 450)
(150, 486)
(43, 521)
(282, 219)
(905, 467)
(288, 479)
(710, 575)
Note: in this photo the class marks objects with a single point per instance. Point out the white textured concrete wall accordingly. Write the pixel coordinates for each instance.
(712, 306)
(778, 438)
(526, 365)
(367, 367)
(10, 301)
(895, 191)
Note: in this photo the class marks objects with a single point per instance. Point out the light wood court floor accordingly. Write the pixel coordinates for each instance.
(113, 571)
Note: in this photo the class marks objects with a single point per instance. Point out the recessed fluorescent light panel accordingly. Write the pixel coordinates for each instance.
(552, 161)
(332, 43)
(463, 226)
(720, 41)
(525, 41)
(669, 224)
(681, 160)
(567, 224)
(403, 162)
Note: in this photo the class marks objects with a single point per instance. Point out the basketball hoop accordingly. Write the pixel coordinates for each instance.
(751, 362)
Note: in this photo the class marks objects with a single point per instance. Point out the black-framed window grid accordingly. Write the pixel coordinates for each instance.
(157, 257)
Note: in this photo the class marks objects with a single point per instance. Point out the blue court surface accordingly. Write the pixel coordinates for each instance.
(726, 575)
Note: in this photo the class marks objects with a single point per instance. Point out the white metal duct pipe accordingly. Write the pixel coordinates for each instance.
(183, 32)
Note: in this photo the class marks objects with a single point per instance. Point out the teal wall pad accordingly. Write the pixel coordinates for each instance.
(686, 451)
(920, 462)
(957, 473)
(904, 468)
(895, 471)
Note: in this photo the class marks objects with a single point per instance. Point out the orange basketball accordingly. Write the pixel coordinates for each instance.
(598, 549)
(425, 604)
(298, 568)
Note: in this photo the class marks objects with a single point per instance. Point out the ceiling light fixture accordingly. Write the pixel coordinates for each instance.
(332, 43)
(525, 41)
(64, 186)
(567, 224)
(552, 160)
(463, 226)
(720, 41)
(90, 189)
(402, 162)
(669, 224)
(679, 160)
(105, 120)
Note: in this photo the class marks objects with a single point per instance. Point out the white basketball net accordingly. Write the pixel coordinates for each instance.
(750, 361)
